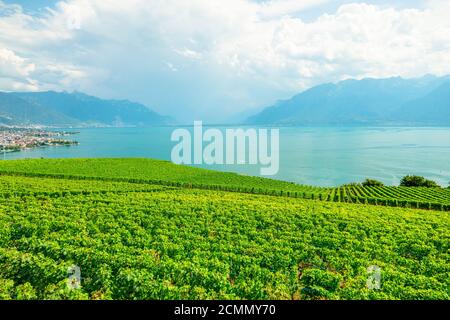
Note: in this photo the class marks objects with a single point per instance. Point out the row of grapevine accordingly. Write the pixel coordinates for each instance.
(418, 198)
(305, 192)
(62, 185)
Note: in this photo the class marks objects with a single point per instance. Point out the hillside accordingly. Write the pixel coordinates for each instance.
(73, 109)
(150, 241)
(14, 110)
(165, 173)
(156, 171)
(363, 102)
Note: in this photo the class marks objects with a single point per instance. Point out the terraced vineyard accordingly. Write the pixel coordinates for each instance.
(157, 172)
(151, 241)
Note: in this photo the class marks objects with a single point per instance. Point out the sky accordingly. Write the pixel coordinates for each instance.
(211, 59)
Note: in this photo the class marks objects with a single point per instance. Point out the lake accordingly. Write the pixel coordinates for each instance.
(308, 155)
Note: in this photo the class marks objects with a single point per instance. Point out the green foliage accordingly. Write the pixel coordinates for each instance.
(417, 181)
(351, 184)
(319, 283)
(372, 183)
(25, 292)
(6, 289)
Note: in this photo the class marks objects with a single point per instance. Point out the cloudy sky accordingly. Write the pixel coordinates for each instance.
(210, 59)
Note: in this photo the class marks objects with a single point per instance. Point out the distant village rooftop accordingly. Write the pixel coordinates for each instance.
(16, 139)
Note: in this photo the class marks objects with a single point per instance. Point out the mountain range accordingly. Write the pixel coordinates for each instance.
(73, 109)
(368, 102)
(392, 101)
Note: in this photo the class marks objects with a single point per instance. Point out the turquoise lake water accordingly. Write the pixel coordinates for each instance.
(316, 156)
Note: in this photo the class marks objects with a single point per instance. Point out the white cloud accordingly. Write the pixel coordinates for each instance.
(13, 66)
(188, 53)
(15, 72)
(207, 59)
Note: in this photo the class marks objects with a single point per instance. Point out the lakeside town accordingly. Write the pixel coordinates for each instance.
(17, 139)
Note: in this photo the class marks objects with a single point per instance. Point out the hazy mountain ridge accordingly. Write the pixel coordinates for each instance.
(431, 109)
(391, 101)
(73, 109)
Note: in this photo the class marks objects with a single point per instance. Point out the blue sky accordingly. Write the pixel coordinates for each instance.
(209, 60)
(330, 7)
(32, 4)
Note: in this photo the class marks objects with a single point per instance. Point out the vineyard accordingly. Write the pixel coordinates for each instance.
(148, 171)
(150, 236)
(407, 197)
(157, 172)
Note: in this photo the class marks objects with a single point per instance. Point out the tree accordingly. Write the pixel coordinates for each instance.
(417, 181)
(350, 185)
(372, 183)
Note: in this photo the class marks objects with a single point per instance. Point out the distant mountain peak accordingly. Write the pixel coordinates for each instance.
(74, 109)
